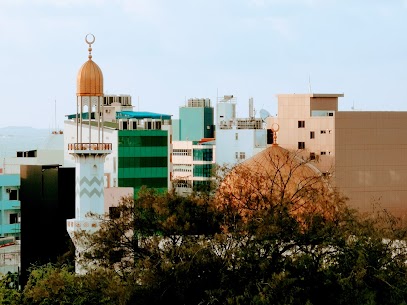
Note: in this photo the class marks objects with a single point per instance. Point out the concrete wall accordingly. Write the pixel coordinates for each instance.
(364, 151)
(371, 159)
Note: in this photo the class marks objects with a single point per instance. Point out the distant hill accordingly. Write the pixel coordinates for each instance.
(15, 138)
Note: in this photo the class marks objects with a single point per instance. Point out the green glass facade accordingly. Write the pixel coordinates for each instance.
(143, 159)
(202, 170)
(205, 154)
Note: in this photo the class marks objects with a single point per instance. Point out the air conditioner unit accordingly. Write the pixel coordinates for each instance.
(8, 190)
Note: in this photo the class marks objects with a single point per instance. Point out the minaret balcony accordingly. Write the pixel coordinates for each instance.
(90, 147)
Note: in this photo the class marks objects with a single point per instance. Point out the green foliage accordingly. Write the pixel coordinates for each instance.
(9, 294)
(50, 284)
(166, 249)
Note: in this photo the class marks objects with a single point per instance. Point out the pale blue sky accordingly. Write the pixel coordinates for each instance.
(163, 51)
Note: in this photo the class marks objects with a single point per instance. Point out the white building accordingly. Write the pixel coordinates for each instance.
(237, 139)
(51, 151)
(192, 165)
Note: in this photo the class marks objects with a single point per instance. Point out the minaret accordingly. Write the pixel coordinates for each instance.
(89, 151)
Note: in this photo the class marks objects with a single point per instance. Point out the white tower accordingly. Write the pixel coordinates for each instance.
(89, 152)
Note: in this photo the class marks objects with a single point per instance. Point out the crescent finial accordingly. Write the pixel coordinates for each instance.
(90, 42)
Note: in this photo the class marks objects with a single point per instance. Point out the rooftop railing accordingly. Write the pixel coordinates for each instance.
(90, 146)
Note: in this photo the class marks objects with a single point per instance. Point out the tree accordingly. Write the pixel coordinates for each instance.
(280, 236)
(9, 294)
(50, 284)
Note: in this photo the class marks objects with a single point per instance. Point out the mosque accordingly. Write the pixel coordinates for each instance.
(89, 153)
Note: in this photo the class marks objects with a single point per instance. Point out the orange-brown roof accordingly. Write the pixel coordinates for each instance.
(89, 80)
(272, 177)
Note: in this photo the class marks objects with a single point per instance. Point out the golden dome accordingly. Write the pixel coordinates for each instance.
(89, 80)
(274, 176)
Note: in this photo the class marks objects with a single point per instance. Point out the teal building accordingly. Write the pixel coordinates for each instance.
(9, 205)
(196, 121)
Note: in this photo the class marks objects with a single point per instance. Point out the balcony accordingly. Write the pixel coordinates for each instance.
(10, 228)
(10, 205)
(90, 146)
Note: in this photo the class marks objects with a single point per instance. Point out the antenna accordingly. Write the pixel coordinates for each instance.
(55, 114)
(264, 114)
(309, 83)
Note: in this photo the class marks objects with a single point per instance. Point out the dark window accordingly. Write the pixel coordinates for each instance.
(138, 182)
(13, 218)
(312, 156)
(13, 195)
(134, 125)
(142, 141)
(124, 125)
(312, 135)
(140, 162)
(270, 138)
(301, 145)
(301, 124)
(205, 154)
(202, 170)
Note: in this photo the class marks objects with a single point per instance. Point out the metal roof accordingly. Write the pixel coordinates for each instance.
(141, 115)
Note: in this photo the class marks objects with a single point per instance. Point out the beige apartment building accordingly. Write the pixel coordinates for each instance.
(365, 152)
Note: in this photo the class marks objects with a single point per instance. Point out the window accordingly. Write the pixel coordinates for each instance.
(202, 170)
(13, 218)
(312, 156)
(323, 131)
(236, 155)
(301, 124)
(312, 135)
(242, 155)
(301, 145)
(270, 138)
(323, 153)
(181, 152)
(13, 195)
(124, 125)
(236, 136)
(142, 162)
(205, 154)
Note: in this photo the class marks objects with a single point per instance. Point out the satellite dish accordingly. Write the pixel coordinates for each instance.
(264, 114)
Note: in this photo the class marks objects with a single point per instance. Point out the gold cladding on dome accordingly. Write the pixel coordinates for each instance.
(90, 77)
(271, 177)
